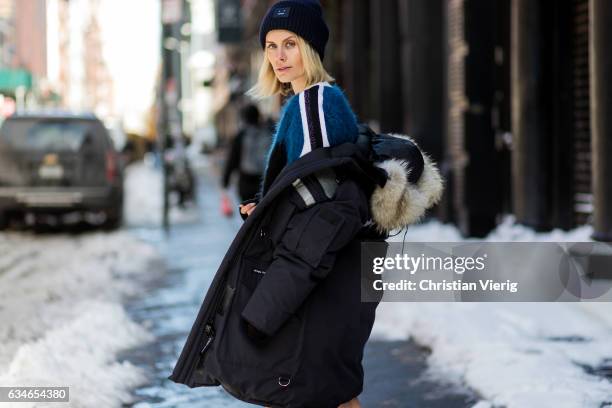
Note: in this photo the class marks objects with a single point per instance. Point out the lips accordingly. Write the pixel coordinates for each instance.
(283, 69)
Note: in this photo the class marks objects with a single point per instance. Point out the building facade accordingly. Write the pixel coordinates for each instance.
(508, 95)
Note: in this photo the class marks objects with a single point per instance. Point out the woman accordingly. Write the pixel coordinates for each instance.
(283, 323)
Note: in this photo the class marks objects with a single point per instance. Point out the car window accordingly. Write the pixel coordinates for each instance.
(52, 135)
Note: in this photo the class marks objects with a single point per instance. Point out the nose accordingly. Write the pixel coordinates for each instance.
(280, 55)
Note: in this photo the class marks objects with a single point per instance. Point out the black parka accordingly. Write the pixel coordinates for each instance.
(293, 273)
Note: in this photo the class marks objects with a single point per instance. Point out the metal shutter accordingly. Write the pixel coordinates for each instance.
(457, 101)
(583, 197)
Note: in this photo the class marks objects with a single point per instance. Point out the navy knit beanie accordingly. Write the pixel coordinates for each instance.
(303, 17)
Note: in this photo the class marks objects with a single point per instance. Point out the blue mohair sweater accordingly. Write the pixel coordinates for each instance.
(319, 116)
(301, 124)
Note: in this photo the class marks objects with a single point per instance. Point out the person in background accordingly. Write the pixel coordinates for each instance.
(248, 154)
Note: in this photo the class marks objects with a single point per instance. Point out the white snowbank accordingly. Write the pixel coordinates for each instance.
(62, 319)
(81, 355)
(513, 354)
(507, 231)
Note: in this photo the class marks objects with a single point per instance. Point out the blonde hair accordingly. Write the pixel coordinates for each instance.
(268, 84)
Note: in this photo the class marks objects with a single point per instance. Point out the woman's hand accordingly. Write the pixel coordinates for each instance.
(247, 209)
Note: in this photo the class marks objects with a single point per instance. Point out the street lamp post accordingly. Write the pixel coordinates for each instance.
(170, 127)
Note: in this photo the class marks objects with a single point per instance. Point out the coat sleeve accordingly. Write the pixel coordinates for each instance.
(306, 255)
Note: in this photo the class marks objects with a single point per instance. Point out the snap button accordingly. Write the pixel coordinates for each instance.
(283, 381)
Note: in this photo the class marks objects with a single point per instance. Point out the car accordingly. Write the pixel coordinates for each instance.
(56, 164)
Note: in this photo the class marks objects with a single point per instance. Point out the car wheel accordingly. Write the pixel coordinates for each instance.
(113, 221)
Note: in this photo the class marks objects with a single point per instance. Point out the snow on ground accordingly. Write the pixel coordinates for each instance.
(63, 323)
(61, 313)
(143, 200)
(514, 354)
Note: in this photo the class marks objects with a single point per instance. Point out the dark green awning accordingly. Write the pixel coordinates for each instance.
(11, 79)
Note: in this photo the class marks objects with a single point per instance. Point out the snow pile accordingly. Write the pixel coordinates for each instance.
(80, 355)
(143, 204)
(513, 354)
(507, 231)
(61, 314)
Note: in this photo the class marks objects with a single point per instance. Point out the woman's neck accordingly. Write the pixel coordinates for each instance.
(299, 84)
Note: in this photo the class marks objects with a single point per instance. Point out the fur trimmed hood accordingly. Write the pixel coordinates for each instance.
(400, 202)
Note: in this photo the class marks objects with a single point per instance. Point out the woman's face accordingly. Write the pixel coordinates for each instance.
(284, 55)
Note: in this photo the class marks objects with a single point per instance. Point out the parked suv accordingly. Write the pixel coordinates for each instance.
(58, 164)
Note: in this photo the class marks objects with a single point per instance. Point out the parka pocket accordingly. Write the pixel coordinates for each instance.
(311, 234)
(280, 352)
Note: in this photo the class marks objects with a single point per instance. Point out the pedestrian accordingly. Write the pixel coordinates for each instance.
(247, 153)
(283, 323)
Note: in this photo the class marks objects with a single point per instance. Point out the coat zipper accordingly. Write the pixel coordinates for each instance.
(209, 331)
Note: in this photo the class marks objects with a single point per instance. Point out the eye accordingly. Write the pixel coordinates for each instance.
(290, 44)
(271, 46)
